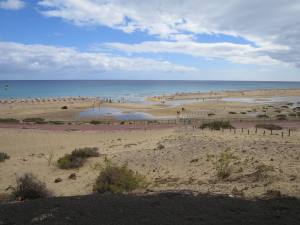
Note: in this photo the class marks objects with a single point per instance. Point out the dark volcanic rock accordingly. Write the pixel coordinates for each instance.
(169, 209)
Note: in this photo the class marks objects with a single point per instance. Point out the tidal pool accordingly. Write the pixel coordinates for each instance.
(115, 113)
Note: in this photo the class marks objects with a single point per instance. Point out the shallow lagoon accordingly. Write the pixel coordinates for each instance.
(116, 113)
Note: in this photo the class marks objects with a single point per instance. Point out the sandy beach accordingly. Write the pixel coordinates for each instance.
(225, 104)
(261, 162)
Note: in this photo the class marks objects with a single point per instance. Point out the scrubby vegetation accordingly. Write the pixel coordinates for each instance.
(8, 120)
(268, 126)
(262, 116)
(56, 122)
(77, 158)
(64, 107)
(86, 152)
(217, 125)
(115, 179)
(223, 164)
(281, 117)
(29, 187)
(34, 120)
(231, 112)
(3, 156)
(96, 122)
(211, 114)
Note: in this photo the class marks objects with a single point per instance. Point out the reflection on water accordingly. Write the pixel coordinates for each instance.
(115, 113)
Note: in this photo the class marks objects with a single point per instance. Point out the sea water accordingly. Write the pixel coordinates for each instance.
(126, 90)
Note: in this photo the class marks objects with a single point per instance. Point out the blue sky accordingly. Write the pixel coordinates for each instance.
(194, 40)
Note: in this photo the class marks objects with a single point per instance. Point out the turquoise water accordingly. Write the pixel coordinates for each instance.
(125, 90)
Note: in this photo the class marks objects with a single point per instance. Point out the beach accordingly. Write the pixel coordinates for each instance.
(172, 152)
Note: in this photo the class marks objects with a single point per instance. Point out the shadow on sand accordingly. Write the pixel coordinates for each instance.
(159, 209)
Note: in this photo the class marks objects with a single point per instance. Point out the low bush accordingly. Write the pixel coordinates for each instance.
(29, 187)
(70, 162)
(56, 122)
(34, 120)
(223, 164)
(95, 122)
(77, 158)
(268, 126)
(3, 156)
(86, 152)
(8, 120)
(262, 116)
(292, 114)
(115, 179)
(211, 114)
(281, 117)
(64, 107)
(231, 112)
(217, 125)
(243, 113)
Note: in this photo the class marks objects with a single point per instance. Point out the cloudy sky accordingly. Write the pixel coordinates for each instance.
(157, 39)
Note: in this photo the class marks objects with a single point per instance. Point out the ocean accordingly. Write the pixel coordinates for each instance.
(127, 90)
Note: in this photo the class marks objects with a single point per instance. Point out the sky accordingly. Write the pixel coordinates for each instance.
(149, 40)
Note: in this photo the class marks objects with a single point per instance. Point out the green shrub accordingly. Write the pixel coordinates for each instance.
(64, 107)
(77, 158)
(95, 122)
(231, 112)
(292, 114)
(56, 122)
(223, 164)
(86, 152)
(281, 117)
(242, 112)
(29, 187)
(3, 156)
(34, 120)
(115, 179)
(8, 120)
(262, 116)
(268, 126)
(217, 125)
(70, 162)
(211, 114)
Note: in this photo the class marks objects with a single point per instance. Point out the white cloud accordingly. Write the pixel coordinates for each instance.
(12, 4)
(267, 23)
(236, 53)
(43, 59)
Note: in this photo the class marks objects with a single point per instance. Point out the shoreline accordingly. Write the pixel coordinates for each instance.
(201, 105)
(153, 97)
